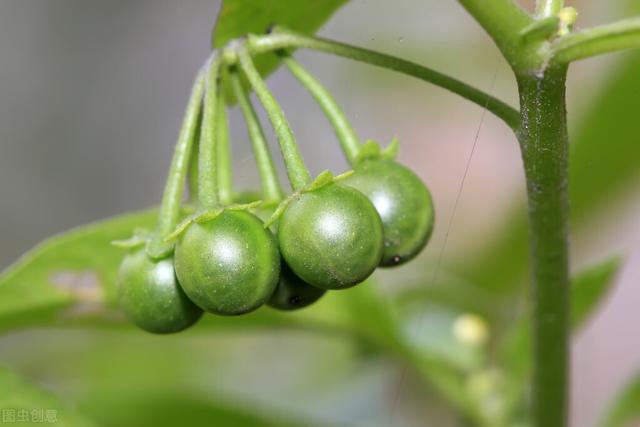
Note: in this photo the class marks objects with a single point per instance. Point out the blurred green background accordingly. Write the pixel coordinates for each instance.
(91, 98)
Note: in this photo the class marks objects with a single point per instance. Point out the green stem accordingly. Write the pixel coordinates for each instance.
(546, 8)
(193, 164)
(172, 198)
(597, 40)
(271, 190)
(286, 39)
(296, 169)
(207, 174)
(223, 153)
(344, 131)
(544, 144)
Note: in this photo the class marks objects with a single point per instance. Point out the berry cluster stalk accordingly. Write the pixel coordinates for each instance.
(207, 174)
(297, 171)
(223, 153)
(271, 190)
(347, 136)
(183, 155)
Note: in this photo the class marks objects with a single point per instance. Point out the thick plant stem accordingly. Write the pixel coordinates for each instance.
(544, 142)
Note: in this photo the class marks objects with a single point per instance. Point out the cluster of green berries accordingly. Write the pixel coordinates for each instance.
(228, 258)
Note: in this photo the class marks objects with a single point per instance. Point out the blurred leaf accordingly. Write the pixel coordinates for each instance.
(24, 404)
(240, 17)
(606, 154)
(68, 274)
(180, 409)
(139, 379)
(588, 287)
(625, 409)
(372, 315)
(452, 291)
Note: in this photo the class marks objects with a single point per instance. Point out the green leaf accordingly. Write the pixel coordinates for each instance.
(606, 156)
(138, 379)
(453, 292)
(240, 17)
(590, 287)
(371, 314)
(625, 409)
(26, 405)
(175, 408)
(67, 276)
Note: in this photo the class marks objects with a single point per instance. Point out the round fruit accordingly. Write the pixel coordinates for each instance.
(229, 265)
(331, 237)
(403, 203)
(292, 292)
(149, 294)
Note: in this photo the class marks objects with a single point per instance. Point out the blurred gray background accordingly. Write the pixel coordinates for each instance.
(92, 93)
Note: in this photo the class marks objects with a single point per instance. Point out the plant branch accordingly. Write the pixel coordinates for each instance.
(285, 39)
(594, 41)
(502, 20)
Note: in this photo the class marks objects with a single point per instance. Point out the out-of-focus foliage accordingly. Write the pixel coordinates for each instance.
(625, 410)
(64, 271)
(590, 287)
(240, 17)
(24, 404)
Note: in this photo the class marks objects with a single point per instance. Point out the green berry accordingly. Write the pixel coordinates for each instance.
(292, 292)
(331, 237)
(404, 205)
(150, 296)
(229, 265)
